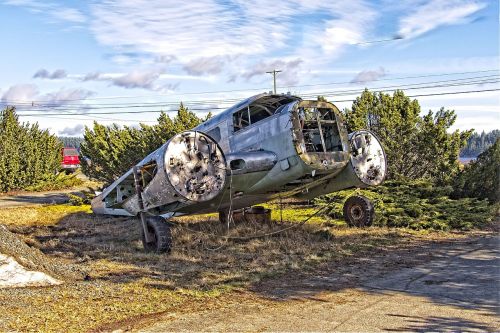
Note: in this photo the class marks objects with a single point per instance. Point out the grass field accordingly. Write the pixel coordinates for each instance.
(119, 281)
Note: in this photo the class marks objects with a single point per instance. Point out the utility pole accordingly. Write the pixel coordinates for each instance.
(274, 72)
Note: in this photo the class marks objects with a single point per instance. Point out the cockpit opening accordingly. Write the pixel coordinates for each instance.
(320, 130)
(260, 109)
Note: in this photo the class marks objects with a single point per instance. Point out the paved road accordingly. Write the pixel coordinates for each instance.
(456, 289)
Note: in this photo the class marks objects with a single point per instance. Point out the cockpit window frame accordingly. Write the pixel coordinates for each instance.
(271, 105)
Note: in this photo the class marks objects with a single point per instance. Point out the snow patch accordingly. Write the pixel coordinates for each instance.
(12, 274)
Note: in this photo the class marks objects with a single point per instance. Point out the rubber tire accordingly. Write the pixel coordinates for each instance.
(359, 211)
(160, 231)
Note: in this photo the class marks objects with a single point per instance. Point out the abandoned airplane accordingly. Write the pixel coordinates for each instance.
(264, 147)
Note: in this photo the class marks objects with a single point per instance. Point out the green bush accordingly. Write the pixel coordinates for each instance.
(417, 205)
(55, 182)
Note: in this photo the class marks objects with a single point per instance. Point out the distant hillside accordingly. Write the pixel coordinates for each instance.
(71, 141)
(478, 143)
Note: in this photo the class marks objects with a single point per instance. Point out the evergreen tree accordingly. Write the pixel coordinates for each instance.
(71, 141)
(416, 147)
(477, 143)
(28, 154)
(113, 150)
(481, 178)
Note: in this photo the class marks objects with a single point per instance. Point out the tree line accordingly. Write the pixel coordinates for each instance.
(71, 141)
(417, 146)
(478, 143)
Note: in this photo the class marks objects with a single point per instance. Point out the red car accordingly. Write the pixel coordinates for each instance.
(70, 159)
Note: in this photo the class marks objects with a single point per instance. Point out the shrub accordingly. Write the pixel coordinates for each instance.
(417, 205)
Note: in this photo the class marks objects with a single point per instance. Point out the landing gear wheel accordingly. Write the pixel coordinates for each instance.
(159, 234)
(358, 211)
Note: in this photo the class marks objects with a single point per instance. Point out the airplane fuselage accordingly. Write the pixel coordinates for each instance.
(273, 146)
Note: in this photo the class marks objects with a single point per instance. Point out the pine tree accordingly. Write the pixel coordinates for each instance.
(113, 150)
(28, 154)
(416, 147)
(481, 178)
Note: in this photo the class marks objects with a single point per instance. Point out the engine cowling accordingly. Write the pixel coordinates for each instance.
(188, 169)
(368, 159)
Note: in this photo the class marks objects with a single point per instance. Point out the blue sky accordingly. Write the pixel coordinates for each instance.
(67, 63)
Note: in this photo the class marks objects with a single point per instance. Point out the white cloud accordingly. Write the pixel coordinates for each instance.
(369, 76)
(69, 14)
(20, 93)
(76, 130)
(206, 65)
(145, 79)
(201, 34)
(65, 96)
(28, 96)
(56, 11)
(217, 37)
(137, 79)
(352, 26)
(91, 76)
(436, 13)
(45, 74)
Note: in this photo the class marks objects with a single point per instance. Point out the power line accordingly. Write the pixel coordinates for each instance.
(253, 89)
(306, 95)
(435, 94)
(225, 101)
(90, 117)
(337, 101)
(387, 89)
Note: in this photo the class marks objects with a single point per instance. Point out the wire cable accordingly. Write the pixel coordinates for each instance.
(255, 89)
(474, 79)
(326, 94)
(434, 84)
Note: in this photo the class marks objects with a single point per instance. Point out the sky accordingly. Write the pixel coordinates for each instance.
(65, 64)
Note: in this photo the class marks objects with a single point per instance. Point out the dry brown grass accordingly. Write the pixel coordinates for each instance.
(123, 281)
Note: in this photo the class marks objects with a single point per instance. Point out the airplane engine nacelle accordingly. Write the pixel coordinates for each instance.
(367, 166)
(189, 168)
